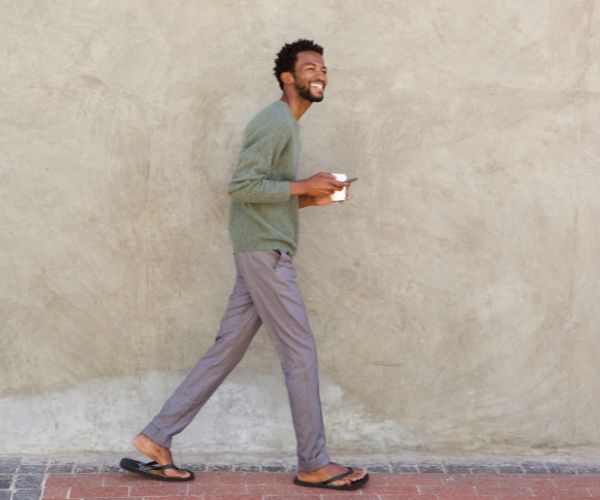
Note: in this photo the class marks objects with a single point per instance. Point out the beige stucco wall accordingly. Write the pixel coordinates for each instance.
(455, 299)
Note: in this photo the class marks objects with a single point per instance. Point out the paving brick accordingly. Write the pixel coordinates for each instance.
(397, 489)
(194, 466)
(457, 469)
(121, 479)
(393, 496)
(589, 469)
(509, 469)
(219, 489)
(282, 489)
(483, 469)
(534, 468)
(5, 495)
(29, 481)
(403, 467)
(347, 496)
(56, 492)
(376, 468)
(8, 468)
(32, 469)
(5, 483)
(508, 489)
(465, 490)
(570, 497)
(232, 497)
(450, 496)
(27, 494)
(275, 468)
(414, 479)
(472, 479)
(519, 497)
(573, 491)
(577, 480)
(291, 497)
(110, 468)
(60, 468)
(83, 468)
(35, 460)
(431, 468)
(73, 480)
(218, 467)
(11, 460)
(99, 491)
(157, 489)
(117, 498)
(187, 497)
(564, 468)
(247, 467)
(249, 478)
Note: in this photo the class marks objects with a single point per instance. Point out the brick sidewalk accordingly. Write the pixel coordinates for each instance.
(278, 486)
(51, 479)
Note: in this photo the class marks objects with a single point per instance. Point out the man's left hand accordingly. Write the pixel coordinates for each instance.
(320, 201)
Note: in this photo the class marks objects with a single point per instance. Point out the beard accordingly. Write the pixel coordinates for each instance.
(304, 91)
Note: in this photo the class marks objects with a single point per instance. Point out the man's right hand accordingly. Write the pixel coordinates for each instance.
(317, 186)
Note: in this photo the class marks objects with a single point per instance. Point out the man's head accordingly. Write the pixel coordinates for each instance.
(299, 66)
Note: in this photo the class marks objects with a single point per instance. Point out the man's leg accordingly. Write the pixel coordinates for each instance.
(271, 280)
(238, 327)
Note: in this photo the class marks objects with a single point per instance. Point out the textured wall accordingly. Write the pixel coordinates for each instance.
(454, 299)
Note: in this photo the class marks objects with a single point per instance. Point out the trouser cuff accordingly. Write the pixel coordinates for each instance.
(316, 463)
(157, 435)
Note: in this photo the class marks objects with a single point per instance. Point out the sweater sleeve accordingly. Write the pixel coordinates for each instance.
(262, 145)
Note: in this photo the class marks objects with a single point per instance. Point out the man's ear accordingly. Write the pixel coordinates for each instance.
(287, 78)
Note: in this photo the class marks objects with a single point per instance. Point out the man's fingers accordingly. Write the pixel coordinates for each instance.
(326, 175)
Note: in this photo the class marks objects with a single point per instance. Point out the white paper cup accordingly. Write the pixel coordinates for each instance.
(339, 195)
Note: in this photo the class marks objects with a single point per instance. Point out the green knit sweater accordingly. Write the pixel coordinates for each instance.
(262, 214)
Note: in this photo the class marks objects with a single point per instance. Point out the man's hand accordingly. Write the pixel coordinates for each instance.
(318, 186)
(311, 201)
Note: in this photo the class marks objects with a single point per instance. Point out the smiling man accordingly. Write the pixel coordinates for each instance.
(263, 226)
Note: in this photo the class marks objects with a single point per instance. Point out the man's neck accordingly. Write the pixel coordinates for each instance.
(298, 104)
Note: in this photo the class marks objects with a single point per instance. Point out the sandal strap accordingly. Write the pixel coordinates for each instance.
(338, 477)
(155, 466)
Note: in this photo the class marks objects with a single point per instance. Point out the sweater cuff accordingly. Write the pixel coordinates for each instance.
(282, 191)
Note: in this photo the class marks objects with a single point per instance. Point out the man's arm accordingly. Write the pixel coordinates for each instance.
(250, 182)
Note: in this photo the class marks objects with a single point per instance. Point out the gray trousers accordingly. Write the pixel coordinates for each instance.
(266, 292)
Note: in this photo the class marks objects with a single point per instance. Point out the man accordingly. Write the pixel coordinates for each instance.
(263, 227)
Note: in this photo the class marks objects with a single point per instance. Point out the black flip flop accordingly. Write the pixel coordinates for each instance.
(327, 484)
(153, 470)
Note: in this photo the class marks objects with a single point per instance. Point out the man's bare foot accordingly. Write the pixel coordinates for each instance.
(331, 470)
(158, 453)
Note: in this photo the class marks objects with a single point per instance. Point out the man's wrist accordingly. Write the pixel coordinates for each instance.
(297, 188)
(305, 201)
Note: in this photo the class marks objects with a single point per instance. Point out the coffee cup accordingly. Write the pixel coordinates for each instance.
(341, 194)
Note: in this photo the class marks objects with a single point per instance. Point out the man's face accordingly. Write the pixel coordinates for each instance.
(310, 76)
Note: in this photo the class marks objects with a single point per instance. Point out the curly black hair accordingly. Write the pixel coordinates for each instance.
(287, 56)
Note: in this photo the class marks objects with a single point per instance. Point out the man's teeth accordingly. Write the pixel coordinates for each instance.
(317, 85)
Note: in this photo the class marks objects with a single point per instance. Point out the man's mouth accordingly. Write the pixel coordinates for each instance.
(317, 86)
